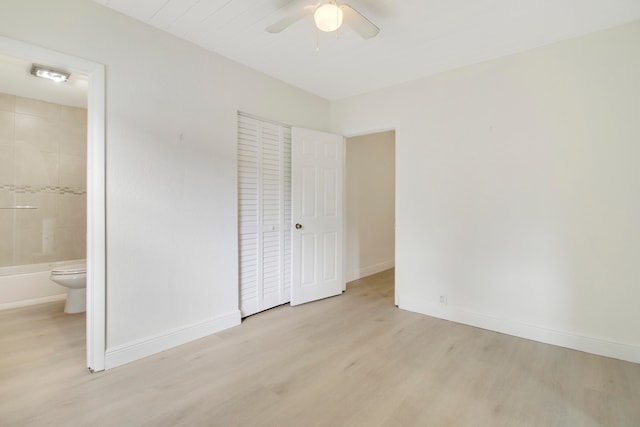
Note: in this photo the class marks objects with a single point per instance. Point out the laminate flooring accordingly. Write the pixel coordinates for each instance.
(351, 360)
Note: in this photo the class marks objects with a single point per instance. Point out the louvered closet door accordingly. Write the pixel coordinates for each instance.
(264, 214)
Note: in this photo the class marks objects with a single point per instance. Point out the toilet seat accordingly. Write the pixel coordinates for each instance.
(69, 270)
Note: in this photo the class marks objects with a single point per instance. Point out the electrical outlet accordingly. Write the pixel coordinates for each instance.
(443, 300)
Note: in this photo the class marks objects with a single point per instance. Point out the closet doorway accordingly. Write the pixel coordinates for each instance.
(290, 214)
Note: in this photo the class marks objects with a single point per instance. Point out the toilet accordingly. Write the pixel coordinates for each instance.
(73, 277)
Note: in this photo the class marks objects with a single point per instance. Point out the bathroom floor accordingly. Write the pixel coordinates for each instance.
(37, 341)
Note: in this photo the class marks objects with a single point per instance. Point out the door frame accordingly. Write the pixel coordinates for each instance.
(396, 296)
(96, 190)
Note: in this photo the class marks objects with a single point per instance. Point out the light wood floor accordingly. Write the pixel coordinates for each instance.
(352, 360)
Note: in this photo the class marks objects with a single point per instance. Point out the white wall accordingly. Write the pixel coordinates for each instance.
(171, 162)
(370, 204)
(518, 191)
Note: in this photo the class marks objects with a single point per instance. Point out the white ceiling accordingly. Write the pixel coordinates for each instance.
(417, 37)
(16, 79)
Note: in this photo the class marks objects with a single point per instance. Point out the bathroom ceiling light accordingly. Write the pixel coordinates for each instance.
(49, 73)
(328, 17)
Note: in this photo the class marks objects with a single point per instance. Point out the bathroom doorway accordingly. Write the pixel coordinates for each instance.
(370, 200)
(94, 190)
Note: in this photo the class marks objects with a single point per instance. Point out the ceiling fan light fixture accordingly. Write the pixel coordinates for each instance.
(328, 17)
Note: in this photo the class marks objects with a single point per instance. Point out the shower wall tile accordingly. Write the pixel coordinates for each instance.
(30, 244)
(6, 243)
(74, 142)
(43, 149)
(72, 211)
(47, 209)
(73, 116)
(34, 247)
(39, 133)
(7, 119)
(34, 167)
(73, 171)
(72, 243)
(6, 228)
(7, 102)
(73, 132)
(6, 165)
(7, 198)
(32, 219)
(73, 138)
(38, 108)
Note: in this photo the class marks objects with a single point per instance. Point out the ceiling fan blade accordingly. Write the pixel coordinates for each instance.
(361, 25)
(291, 19)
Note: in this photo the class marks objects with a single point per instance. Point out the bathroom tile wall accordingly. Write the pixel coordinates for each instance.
(43, 151)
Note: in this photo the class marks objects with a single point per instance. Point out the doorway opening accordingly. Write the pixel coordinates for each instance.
(370, 204)
(95, 185)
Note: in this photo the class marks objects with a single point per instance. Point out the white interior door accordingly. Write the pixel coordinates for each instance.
(317, 188)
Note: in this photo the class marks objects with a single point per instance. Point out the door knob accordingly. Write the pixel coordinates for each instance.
(298, 226)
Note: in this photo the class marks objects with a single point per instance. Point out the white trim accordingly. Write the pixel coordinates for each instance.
(396, 288)
(536, 333)
(33, 301)
(154, 344)
(370, 132)
(369, 270)
(96, 221)
(96, 213)
(262, 119)
(345, 273)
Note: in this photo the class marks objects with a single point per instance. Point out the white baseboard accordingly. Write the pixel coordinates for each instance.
(510, 327)
(369, 270)
(33, 301)
(138, 349)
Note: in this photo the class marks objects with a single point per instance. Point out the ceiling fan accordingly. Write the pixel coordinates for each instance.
(329, 16)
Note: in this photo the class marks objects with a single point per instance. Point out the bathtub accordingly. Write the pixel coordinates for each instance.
(25, 285)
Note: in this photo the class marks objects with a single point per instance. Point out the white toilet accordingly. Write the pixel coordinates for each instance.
(73, 277)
